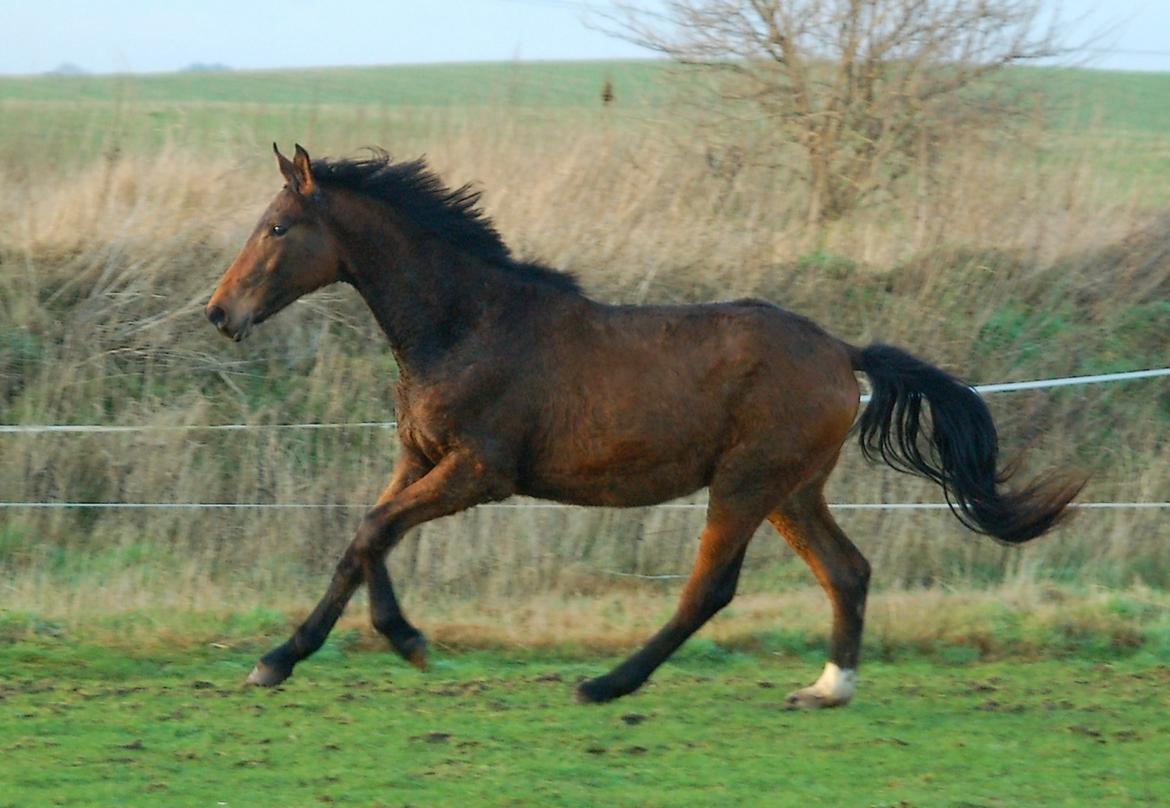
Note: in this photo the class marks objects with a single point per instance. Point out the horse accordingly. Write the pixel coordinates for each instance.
(512, 381)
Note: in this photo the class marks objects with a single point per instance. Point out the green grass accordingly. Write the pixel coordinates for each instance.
(1121, 102)
(88, 726)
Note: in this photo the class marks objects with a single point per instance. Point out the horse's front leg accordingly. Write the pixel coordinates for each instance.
(385, 613)
(457, 482)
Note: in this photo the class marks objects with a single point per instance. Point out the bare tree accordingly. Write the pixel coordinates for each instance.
(863, 88)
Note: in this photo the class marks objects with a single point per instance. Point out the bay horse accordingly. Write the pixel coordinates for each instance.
(513, 381)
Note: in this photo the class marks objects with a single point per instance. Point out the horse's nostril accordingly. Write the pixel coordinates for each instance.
(217, 316)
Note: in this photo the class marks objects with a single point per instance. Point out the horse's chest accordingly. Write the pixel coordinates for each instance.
(437, 420)
(425, 427)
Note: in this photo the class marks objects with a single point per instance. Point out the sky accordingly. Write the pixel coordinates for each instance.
(139, 36)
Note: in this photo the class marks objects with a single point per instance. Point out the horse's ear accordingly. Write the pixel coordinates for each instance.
(285, 165)
(298, 172)
(304, 169)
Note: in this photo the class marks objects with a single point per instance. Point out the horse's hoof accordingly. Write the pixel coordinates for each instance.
(834, 688)
(810, 698)
(596, 691)
(414, 651)
(264, 675)
(418, 657)
(805, 699)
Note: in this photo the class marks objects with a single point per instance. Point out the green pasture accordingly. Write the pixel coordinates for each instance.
(80, 117)
(1111, 100)
(551, 84)
(1121, 118)
(83, 725)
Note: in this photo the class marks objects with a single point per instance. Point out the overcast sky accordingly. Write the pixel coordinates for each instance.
(145, 36)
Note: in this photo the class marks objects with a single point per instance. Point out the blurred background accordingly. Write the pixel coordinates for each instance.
(997, 203)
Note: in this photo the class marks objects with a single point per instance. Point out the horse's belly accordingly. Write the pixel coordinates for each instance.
(619, 474)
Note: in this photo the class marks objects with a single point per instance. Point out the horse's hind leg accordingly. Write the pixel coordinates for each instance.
(805, 522)
(711, 587)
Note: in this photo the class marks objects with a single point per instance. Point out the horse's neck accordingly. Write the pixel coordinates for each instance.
(425, 295)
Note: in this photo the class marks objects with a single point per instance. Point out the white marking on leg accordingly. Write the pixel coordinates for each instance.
(835, 685)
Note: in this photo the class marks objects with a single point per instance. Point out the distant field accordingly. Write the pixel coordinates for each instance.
(1122, 115)
(389, 105)
(552, 84)
(1112, 101)
(89, 726)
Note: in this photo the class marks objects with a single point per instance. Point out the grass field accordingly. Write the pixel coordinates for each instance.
(86, 725)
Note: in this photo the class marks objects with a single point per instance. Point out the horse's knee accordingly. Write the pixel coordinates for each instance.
(369, 541)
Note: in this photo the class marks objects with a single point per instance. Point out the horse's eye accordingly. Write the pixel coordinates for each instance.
(279, 230)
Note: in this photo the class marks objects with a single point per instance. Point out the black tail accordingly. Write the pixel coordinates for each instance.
(959, 450)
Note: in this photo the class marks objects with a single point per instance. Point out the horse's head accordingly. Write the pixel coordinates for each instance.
(289, 254)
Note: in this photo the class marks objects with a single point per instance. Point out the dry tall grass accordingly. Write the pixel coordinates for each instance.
(1001, 266)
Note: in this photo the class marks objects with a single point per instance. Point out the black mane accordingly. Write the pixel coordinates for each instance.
(417, 193)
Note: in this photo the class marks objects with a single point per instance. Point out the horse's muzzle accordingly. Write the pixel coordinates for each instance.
(219, 318)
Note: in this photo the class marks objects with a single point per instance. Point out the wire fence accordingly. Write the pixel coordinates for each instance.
(678, 506)
(1004, 387)
(1035, 384)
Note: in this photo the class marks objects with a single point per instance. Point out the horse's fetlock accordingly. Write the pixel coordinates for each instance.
(385, 623)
